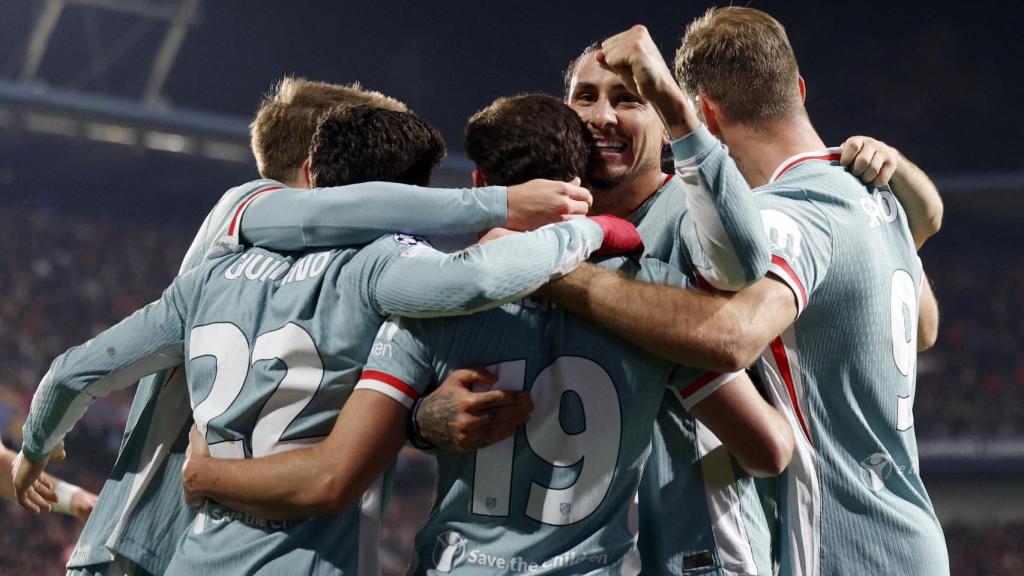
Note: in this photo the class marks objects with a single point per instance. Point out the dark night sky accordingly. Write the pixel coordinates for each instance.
(933, 80)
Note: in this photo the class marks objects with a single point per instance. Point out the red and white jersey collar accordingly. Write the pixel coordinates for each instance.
(827, 155)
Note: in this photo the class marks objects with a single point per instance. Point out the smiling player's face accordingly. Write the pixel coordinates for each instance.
(628, 133)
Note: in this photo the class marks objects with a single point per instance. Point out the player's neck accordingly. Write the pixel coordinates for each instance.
(625, 198)
(759, 153)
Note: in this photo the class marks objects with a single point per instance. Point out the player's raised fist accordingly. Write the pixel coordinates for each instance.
(635, 58)
(539, 202)
(620, 236)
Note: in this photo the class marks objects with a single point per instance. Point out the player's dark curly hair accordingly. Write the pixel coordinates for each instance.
(364, 143)
(525, 137)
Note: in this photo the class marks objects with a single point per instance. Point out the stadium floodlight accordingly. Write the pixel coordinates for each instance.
(111, 133)
(227, 151)
(167, 142)
(51, 124)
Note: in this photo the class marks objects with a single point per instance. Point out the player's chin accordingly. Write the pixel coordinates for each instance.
(605, 174)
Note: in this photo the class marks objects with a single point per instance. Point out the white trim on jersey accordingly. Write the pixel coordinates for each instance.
(724, 506)
(779, 367)
(703, 387)
(229, 240)
(828, 154)
(371, 509)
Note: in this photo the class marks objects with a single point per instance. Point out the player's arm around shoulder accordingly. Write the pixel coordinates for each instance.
(722, 331)
(406, 276)
(753, 431)
(295, 219)
(324, 479)
(879, 164)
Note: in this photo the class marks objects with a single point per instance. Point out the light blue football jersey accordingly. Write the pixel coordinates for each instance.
(554, 498)
(699, 512)
(274, 344)
(140, 514)
(852, 500)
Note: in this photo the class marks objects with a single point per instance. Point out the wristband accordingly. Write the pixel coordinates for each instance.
(64, 491)
(415, 437)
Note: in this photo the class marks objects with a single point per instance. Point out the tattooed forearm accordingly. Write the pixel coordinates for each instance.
(437, 417)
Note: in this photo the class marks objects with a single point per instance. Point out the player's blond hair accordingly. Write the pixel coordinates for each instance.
(741, 59)
(287, 118)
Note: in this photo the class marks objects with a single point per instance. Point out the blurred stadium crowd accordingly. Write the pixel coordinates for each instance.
(116, 267)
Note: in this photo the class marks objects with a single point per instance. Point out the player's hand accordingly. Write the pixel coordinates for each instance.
(26, 475)
(873, 161)
(197, 450)
(539, 202)
(82, 503)
(634, 57)
(454, 417)
(620, 236)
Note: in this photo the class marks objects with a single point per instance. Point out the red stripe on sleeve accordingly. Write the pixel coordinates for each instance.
(699, 383)
(390, 381)
(781, 263)
(782, 360)
(232, 229)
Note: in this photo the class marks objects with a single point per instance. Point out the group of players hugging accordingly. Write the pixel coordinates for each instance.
(733, 345)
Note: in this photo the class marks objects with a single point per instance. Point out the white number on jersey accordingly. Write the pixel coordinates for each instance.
(903, 321)
(304, 371)
(597, 445)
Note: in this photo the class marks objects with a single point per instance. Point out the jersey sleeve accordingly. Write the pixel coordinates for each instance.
(296, 219)
(800, 237)
(149, 340)
(406, 276)
(400, 365)
(730, 250)
(694, 385)
(219, 233)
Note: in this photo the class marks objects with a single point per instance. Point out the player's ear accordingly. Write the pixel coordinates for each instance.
(305, 176)
(710, 112)
(803, 88)
(478, 179)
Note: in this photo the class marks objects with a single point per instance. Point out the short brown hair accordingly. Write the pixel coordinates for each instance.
(529, 136)
(740, 58)
(287, 118)
(365, 143)
(574, 65)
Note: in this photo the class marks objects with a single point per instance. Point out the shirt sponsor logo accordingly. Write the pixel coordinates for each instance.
(449, 551)
(875, 469)
(452, 550)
